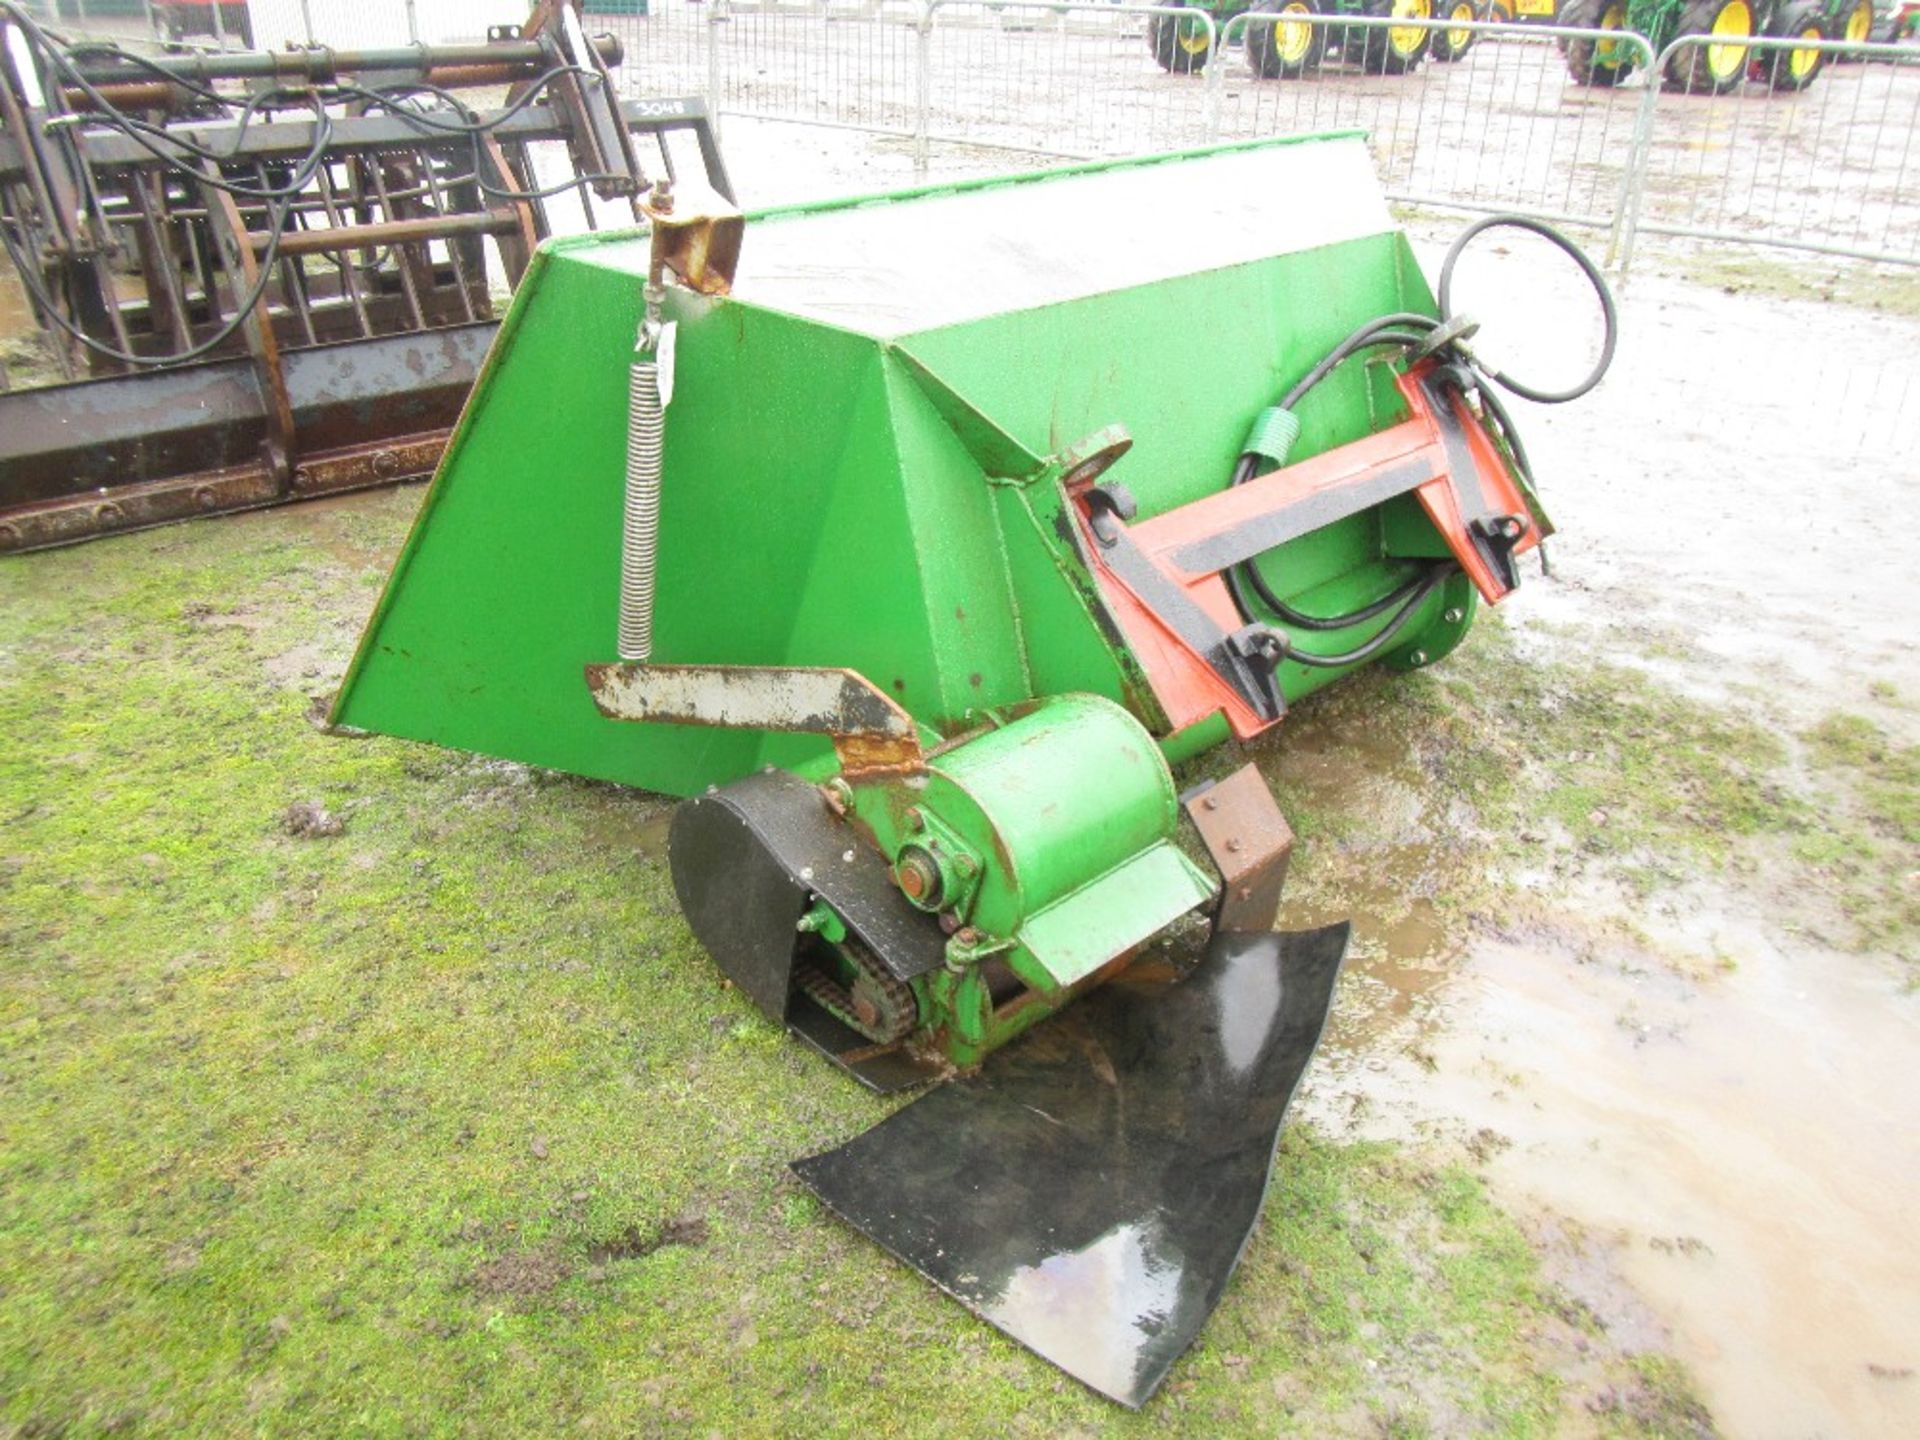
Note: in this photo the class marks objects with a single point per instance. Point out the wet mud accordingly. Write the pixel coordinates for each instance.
(1693, 1077)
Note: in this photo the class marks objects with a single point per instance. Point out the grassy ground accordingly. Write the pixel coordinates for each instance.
(354, 1087)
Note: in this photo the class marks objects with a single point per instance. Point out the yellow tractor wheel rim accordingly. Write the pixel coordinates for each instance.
(1734, 21)
(1458, 39)
(1405, 39)
(1192, 38)
(1802, 63)
(1295, 38)
(1609, 52)
(1860, 24)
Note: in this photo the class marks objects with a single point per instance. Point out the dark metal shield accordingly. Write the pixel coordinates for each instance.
(1092, 1189)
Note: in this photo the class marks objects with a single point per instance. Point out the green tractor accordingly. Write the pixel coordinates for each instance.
(1280, 47)
(1720, 66)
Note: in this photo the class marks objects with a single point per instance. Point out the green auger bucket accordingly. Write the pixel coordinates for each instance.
(916, 537)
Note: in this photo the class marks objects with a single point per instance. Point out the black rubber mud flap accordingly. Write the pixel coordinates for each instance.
(747, 860)
(1092, 1189)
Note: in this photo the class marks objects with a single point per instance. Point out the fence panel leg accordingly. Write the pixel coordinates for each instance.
(715, 14)
(1633, 185)
(922, 92)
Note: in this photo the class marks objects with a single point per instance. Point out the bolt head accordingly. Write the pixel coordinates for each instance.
(1419, 657)
(1454, 615)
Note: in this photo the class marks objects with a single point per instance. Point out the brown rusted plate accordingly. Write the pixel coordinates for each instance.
(1250, 842)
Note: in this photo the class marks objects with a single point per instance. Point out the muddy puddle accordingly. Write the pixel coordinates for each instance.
(1748, 1141)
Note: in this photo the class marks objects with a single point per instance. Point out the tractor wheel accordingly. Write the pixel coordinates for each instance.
(1717, 67)
(1854, 26)
(1500, 12)
(1397, 49)
(1285, 49)
(1450, 45)
(1601, 63)
(1795, 69)
(1182, 46)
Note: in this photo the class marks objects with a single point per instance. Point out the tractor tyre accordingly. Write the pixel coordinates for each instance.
(1855, 26)
(1182, 47)
(1717, 67)
(1395, 49)
(1448, 46)
(1600, 63)
(1500, 12)
(1795, 69)
(1284, 49)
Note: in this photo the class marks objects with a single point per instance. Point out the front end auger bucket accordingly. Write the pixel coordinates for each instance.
(918, 548)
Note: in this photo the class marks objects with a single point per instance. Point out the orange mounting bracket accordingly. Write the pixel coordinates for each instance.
(1163, 578)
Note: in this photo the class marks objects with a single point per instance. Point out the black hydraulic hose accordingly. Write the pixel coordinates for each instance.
(1300, 620)
(1384, 331)
(49, 307)
(181, 154)
(1579, 257)
(1509, 432)
(1372, 646)
(1411, 330)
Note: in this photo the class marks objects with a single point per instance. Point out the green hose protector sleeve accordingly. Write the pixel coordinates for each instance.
(1272, 435)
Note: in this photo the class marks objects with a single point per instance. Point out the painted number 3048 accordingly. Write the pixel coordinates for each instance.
(657, 109)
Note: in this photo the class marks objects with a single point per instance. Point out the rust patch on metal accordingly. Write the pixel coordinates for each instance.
(871, 734)
(701, 246)
(1250, 842)
(219, 370)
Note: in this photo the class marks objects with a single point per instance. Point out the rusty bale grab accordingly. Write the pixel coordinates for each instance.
(267, 276)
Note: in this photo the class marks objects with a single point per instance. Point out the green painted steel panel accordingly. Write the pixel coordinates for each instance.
(843, 444)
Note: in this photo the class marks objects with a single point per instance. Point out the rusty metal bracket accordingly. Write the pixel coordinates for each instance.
(871, 734)
(340, 374)
(700, 245)
(1250, 843)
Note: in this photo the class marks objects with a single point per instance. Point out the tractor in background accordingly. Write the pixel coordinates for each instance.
(1287, 49)
(1721, 66)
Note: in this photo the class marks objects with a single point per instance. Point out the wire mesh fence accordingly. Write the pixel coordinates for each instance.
(1014, 76)
(851, 67)
(1770, 142)
(1830, 162)
(1496, 125)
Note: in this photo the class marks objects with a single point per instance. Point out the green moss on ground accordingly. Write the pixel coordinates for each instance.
(441, 1124)
(1530, 763)
(1890, 289)
(1865, 845)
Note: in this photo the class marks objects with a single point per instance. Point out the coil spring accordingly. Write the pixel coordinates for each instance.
(640, 528)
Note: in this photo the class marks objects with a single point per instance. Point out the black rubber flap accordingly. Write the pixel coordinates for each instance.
(748, 858)
(1091, 1190)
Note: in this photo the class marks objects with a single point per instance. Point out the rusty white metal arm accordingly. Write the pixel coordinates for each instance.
(869, 730)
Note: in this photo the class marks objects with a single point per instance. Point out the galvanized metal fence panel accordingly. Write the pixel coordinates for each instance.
(1502, 127)
(666, 51)
(1073, 80)
(1832, 168)
(849, 67)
